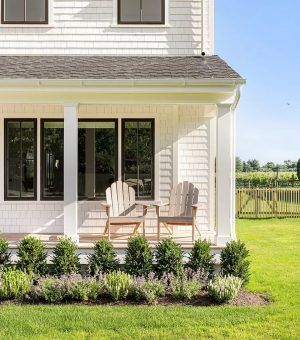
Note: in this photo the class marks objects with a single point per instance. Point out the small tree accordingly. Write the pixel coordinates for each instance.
(234, 260)
(298, 169)
(103, 259)
(169, 258)
(4, 253)
(32, 256)
(65, 257)
(138, 260)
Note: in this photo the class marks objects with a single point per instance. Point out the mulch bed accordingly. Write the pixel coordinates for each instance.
(244, 299)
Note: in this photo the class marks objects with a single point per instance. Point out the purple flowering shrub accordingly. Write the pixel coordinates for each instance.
(148, 289)
(72, 287)
(185, 286)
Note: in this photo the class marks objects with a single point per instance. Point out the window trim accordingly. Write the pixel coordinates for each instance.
(161, 22)
(114, 120)
(24, 22)
(42, 179)
(6, 197)
(152, 120)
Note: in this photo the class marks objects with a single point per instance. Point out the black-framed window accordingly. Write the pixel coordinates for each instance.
(20, 159)
(141, 11)
(138, 156)
(24, 11)
(52, 159)
(97, 157)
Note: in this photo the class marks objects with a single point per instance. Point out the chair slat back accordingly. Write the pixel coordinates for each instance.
(182, 197)
(121, 197)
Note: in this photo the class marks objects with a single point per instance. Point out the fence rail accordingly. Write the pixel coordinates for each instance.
(267, 202)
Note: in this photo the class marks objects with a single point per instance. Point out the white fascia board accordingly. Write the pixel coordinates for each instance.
(119, 82)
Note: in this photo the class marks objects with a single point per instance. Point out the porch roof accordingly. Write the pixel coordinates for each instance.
(115, 67)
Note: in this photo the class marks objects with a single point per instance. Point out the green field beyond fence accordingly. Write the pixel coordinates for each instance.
(267, 202)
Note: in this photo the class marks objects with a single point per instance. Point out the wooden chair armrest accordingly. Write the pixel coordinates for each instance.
(106, 205)
(197, 205)
(107, 208)
(158, 206)
(195, 208)
(161, 204)
(145, 207)
(143, 204)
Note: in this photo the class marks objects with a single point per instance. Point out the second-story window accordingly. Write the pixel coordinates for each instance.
(24, 11)
(141, 11)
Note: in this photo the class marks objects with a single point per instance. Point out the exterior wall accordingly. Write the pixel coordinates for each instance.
(183, 151)
(90, 27)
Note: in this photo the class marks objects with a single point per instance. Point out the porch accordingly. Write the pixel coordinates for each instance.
(191, 136)
(187, 140)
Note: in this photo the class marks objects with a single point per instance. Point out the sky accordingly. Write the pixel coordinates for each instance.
(261, 40)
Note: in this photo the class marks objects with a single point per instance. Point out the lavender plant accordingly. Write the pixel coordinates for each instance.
(148, 289)
(72, 287)
(185, 286)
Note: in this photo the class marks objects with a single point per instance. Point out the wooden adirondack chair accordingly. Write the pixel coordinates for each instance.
(121, 207)
(183, 207)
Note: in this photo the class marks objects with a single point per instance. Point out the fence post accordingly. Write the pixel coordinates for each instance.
(256, 202)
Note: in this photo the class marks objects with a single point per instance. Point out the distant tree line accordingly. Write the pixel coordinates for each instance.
(252, 174)
(253, 165)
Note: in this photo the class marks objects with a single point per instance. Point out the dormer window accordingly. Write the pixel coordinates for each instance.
(24, 11)
(141, 12)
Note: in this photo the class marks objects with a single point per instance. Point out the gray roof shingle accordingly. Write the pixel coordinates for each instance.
(114, 67)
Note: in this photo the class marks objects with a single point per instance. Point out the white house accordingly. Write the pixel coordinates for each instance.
(93, 91)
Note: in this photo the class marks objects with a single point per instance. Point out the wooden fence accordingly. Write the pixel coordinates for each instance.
(268, 202)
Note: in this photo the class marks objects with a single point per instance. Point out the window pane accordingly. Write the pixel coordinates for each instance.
(28, 178)
(138, 157)
(152, 11)
(14, 10)
(14, 179)
(130, 10)
(20, 161)
(13, 140)
(27, 140)
(35, 10)
(53, 159)
(97, 166)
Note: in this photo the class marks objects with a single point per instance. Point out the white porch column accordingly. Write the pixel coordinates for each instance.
(225, 175)
(70, 171)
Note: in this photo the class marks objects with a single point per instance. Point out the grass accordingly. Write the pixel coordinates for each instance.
(274, 245)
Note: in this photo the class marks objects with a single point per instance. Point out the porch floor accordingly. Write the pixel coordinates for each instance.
(86, 241)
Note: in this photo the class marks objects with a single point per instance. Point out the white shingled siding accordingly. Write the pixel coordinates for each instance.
(89, 27)
(182, 153)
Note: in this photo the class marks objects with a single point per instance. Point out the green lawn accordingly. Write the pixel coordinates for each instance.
(275, 249)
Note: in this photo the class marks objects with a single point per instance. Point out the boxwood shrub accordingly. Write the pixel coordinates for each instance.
(234, 261)
(32, 256)
(169, 258)
(103, 259)
(138, 259)
(65, 258)
(201, 258)
(5, 255)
